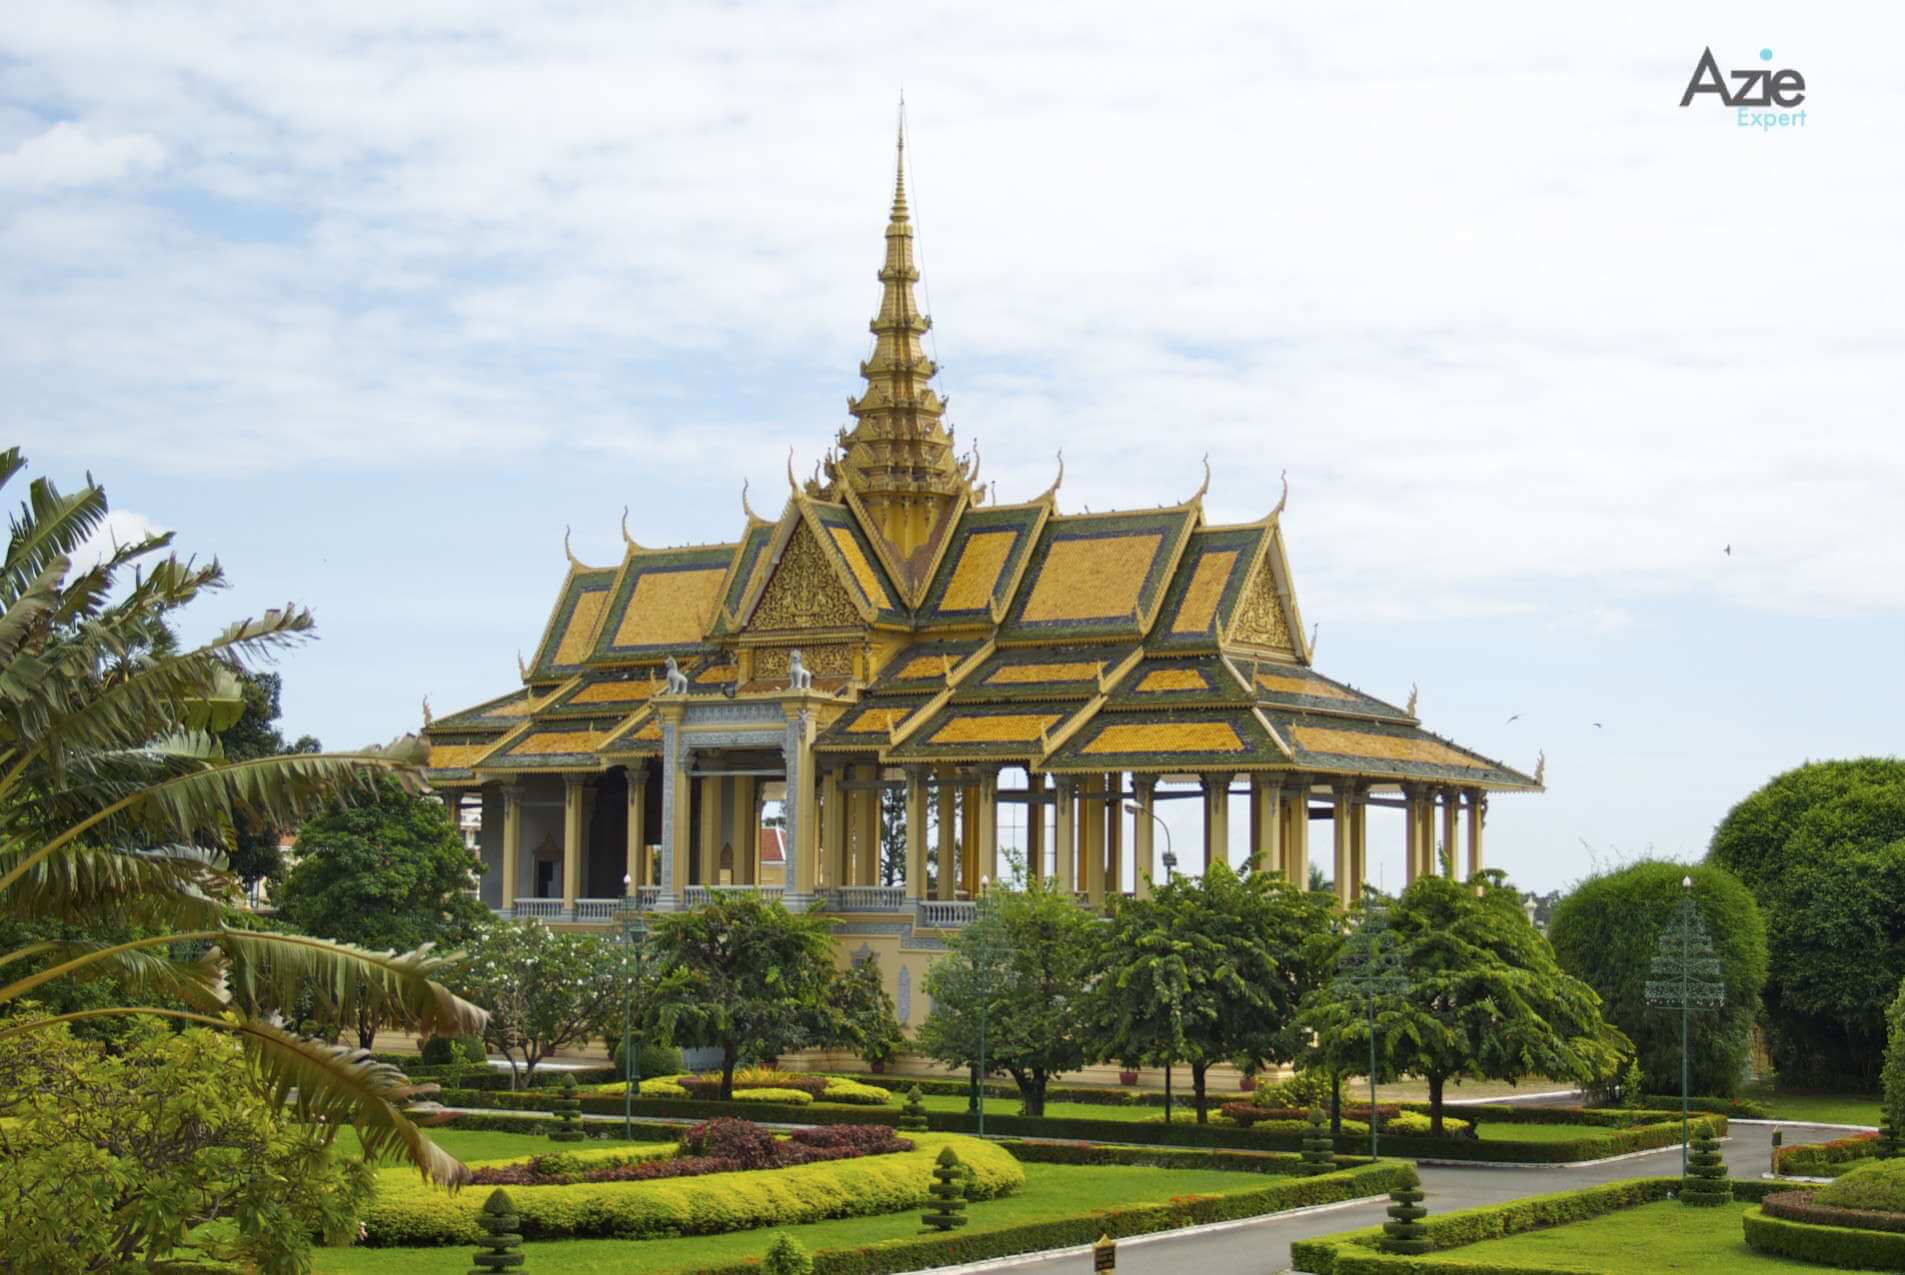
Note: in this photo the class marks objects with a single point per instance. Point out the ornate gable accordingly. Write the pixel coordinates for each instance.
(804, 592)
(1266, 617)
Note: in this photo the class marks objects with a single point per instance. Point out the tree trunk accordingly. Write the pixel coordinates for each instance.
(727, 1072)
(1435, 1105)
(1031, 1091)
(1198, 1070)
(1336, 1104)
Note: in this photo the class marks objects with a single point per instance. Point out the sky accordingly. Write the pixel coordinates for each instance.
(372, 300)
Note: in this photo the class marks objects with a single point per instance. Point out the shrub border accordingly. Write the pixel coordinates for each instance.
(1354, 1252)
(1842, 1246)
(1814, 1159)
(1798, 1206)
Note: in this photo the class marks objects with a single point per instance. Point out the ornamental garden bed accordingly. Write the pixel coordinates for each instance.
(1826, 1159)
(1620, 1227)
(1856, 1222)
(1071, 1194)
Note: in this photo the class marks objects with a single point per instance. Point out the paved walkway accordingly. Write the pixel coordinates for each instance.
(1259, 1245)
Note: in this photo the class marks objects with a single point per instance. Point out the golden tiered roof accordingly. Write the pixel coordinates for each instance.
(939, 631)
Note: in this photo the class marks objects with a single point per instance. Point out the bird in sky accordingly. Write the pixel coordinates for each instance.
(1729, 551)
(1515, 718)
(1597, 726)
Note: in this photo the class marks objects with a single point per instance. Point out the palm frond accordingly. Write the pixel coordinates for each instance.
(86, 594)
(36, 603)
(48, 526)
(274, 969)
(278, 791)
(197, 980)
(175, 886)
(319, 1082)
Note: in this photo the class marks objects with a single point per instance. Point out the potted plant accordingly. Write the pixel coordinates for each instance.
(1127, 1074)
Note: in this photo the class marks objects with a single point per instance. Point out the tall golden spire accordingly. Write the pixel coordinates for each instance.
(898, 457)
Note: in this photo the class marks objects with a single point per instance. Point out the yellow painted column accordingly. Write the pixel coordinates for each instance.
(1451, 812)
(1064, 852)
(805, 843)
(1091, 836)
(946, 884)
(832, 826)
(1034, 824)
(916, 832)
(741, 835)
(969, 840)
(1266, 825)
(577, 796)
(1343, 836)
(710, 786)
(1411, 836)
(1359, 825)
(1296, 841)
(1477, 812)
(677, 827)
(988, 791)
(1216, 819)
(1143, 792)
(512, 843)
(1114, 834)
(637, 820)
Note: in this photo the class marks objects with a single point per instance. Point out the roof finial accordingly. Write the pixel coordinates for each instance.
(1051, 493)
(747, 509)
(899, 165)
(1541, 768)
(1314, 630)
(427, 718)
(792, 485)
(1414, 691)
(573, 560)
(522, 667)
(626, 538)
(1284, 499)
(1206, 487)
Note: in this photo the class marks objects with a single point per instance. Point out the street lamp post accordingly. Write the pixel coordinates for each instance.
(1170, 856)
(1687, 978)
(634, 934)
(1370, 969)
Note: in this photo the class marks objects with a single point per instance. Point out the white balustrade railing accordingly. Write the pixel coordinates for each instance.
(601, 909)
(546, 909)
(695, 896)
(867, 898)
(937, 914)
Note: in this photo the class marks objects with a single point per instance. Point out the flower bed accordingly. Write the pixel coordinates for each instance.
(1825, 1159)
(718, 1146)
(409, 1212)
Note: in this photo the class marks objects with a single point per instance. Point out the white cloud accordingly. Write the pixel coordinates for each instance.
(120, 527)
(68, 154)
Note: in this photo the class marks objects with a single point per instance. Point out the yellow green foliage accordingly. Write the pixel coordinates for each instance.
(852, 1091)
(787, 1097)
(407, 1212)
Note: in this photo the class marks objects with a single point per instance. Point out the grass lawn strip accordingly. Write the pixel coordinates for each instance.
(1663, 1236)
(1051, 1192)
(1853, 1109)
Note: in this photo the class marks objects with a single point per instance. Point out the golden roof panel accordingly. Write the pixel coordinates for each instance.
(869, 724)
(922, 668)
(1098, 575)
(1171, 739)
(1185, 681)
(848, 546)
(1386, 750)
(976, 732)
(988, 552)
(495, 715)
(1046, 672)
(1210, 581)
(566, 639)
(664, 601)
(639, 735)
(552, 746)
(593, 694)
(1292, 686)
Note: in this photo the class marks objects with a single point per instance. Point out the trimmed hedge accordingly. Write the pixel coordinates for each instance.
(1266, 1162)
(1829, 1245)
(486, 1122)
(1804, 1206)
(409, 1212)
(1825, 1159)
(1645, 1137)
(1355, 1253)
(1738, 1108)
(773, 1097)
(966, 1246)
(856, 1095)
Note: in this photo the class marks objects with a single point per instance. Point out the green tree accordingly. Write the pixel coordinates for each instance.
(1604, 933)
(866, 1012)
(392, 873)
(1822, 848)
(252, 851)
(110, 773)
(543, 988)
(1027, 960)
(1487, 999)
(746, 976)
(1209, 969)
(119, 1158)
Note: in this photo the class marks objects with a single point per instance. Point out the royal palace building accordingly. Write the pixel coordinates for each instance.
(894, 638)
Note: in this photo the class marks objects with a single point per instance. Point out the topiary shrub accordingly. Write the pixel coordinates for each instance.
(779, 1097)
(438, 1051)
(502, 1236)
(785, 1257)
(913, 1114)
(1404, 1232)
(855, 1093)
(1705, 1183)
(568, 1109)
(1878, 1186)
(1319, 1149)
(949, 1194)
(1303, 1090)
(1633, 1085)
(652, 1058)
(1892, 1078)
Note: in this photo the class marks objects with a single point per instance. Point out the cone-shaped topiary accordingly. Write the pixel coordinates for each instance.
(1404, 1233)
(949, 1194)
(1705, 1183)
(569, 1109)
(913, 1114)
(1319, 1149)
(1888, 1137)
(785, 1257)
(502, 1236)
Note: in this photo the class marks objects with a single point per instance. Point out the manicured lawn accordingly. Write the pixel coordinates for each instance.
(1051, 1191)
(1497, 1131)
(1666, 1236)
(479, 1144)
(1827, 1108)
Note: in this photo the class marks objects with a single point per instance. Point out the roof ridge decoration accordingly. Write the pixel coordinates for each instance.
(627, 539)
